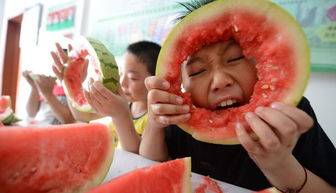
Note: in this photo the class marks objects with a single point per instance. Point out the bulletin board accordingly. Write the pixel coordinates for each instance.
(119, 23)
(318, 20)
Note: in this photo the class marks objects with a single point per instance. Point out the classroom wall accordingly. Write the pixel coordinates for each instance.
(321, 92)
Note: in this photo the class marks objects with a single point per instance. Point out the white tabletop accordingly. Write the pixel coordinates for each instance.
(124, 162)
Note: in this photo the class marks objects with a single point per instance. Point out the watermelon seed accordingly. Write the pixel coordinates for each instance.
(264, 95)
(235, 28)
(210, 121)
(16, 174)
(33, 170)
(265, 87)
(272, 87)
(275, 67)
(273, 80)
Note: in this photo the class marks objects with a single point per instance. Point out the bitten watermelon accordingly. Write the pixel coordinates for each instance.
(7, 116)
(167, 177)
(266, 33)
(102, 67)
(64, 159)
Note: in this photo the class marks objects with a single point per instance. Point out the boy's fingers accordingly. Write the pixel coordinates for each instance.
(159, 96)
(95, 104)
(247, 142)
(175, 119)
(57, 72)
(285, 127)
(61, 53)
(99, 89)
(267, 137)
(302, 119)
(57, 61)
(169, 109)
(154, 82)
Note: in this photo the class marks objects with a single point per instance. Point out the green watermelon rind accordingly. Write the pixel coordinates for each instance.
(274, 13)
(108, 64)
(108, 67)
(8, 117)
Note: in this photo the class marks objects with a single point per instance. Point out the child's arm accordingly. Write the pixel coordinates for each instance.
(278, 128)
(33, 103)
(106, 103)
(164, 108)
(45, 85)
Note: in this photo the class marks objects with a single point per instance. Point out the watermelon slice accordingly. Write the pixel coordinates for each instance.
(102, 67)
(167, 177)
(64, 159)
(266, 33)
(7, 116)
(268, 190)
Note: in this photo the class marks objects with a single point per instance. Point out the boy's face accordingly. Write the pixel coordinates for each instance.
(218, 76)
(132, 77)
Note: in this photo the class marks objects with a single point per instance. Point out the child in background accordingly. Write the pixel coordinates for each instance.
(47, 102)
(128, 108)
(293, 153)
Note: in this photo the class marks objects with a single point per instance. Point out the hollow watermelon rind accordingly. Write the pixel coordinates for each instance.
(68, 158)
(266, 32)
(102, 67)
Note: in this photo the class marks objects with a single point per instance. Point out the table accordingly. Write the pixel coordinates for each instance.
(124, 162)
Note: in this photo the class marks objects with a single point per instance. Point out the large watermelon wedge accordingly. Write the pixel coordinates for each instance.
(64, 159)
(266, 33)
(167, 177)
(102, 67)
(7, 116)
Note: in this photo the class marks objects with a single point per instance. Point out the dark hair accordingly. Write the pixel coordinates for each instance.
(191, 6)
(147, 52)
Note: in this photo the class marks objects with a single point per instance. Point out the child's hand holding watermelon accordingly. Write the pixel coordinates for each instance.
(61, 58)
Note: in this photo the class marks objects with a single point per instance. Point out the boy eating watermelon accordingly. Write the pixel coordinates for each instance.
(290, 152)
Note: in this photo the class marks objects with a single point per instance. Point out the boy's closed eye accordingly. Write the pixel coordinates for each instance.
(198, 72)
(235, 59)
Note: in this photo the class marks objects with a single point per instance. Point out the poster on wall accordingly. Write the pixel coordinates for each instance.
(149, 20)
(318, 20)
(153, 20)
(61, 18)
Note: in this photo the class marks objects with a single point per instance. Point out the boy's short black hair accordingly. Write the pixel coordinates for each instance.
(191, 6)
(147, 52)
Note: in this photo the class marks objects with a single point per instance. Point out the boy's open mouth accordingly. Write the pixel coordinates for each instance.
(231, 103)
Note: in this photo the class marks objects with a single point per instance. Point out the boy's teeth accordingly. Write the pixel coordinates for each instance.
(228, 102)
(223, 104)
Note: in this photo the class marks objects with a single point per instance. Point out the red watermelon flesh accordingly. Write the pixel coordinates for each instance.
(268, 190)
(4, 103)
(266, 33)
(64, 159)
(167, 177)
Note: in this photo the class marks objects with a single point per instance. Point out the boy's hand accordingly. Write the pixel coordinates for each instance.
(278, 128)
(60, 58)
(164, 108)
(25, 74)
(45, 84)
(106, 103)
